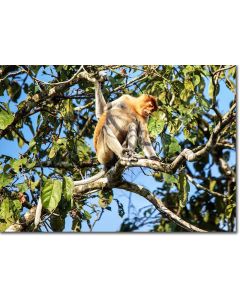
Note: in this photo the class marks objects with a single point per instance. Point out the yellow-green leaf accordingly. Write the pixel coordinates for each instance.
(51, 194)
(183, 189)
(5, 119)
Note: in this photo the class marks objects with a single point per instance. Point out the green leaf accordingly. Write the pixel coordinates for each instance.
(170, 144)
(197, 80)
(17, 163)
(30, 165)
(32, 143)
(33, 184)
(206, 217)
(188, 85)
(229, 210)
(203, 102)
(10, 210)
(183, 186)
(184, 95)
(169, 178)
(5, 212)
(57, 223)
(105, 198)
(86, 215)
(5, 179)
(213, 91)
(83, 150)
(68, 187)
(52, 152)
(212, 185)
(14, 90)
(189, 136)
(232, 72)
(22, 187)
(5, 119)
(17, 204)
(156, 123)
(51, 194)
(162, 97)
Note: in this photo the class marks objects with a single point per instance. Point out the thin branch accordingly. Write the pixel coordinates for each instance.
(201, 187)
(223, 69)
(51, 83)
(11, 74)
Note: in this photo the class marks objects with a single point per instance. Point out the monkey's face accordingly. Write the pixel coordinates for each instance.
(148, 105)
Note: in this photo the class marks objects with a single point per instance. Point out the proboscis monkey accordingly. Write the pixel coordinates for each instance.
(121, 126)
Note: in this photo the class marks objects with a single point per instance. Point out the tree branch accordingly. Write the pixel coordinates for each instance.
(27, 220)
(140, 190)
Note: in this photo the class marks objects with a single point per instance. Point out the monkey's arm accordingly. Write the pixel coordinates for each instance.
(101, 104)
(146, 143)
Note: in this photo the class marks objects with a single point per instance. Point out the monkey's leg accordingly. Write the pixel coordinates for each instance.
(114, 145)
(130, 143)
(112, 142)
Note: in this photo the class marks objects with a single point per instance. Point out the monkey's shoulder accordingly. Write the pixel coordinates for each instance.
(116, 106)
(124, 103)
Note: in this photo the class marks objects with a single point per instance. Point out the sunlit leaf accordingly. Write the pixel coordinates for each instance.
(68, 187)
(5, 119)
(168, 178)
(183, 189)
(5, 179)
(51, 194)
(229, 210)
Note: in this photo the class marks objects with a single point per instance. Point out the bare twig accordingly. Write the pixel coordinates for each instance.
(11, 74)
(201, 187)
(223, 69)
(51, 83)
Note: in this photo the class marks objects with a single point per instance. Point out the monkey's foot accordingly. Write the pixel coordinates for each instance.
(130, 155)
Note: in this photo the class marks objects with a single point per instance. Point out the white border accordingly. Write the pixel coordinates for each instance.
(123, 266)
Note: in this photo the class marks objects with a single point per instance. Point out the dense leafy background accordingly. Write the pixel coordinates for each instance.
(54, 133)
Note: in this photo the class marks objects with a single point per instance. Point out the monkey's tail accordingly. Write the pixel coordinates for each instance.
(91, 179)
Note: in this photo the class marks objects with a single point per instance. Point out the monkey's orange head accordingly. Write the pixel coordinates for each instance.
(147, 105)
